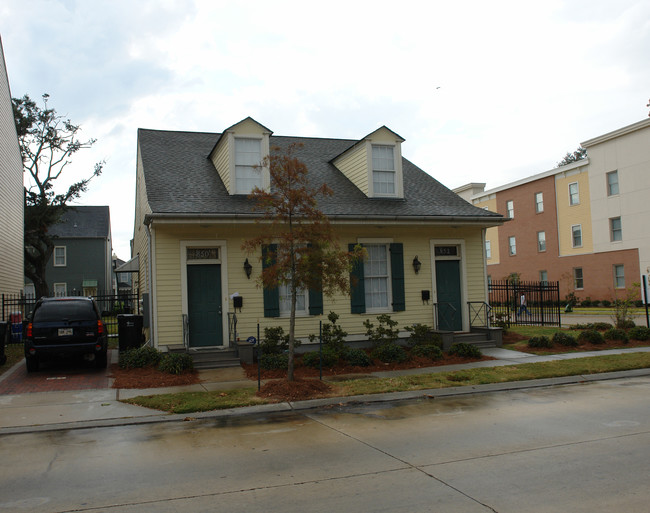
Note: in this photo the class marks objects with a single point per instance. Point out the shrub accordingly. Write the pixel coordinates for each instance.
(431, 351)
(564, 339)
(139, 357)
(500, 320)
(606, 303)
(421, 334)
(571, 299)
(313, 358)
(275, 341)
(385, 333)
(542, 341)
(616, 334)
(586, 302)
(625, 324)
(600, 326)
(176, 363)
(358, 358)
(591, 336)
(333, 335)
(390, 353)
(274, 361)
(465, 350)
(639, 333)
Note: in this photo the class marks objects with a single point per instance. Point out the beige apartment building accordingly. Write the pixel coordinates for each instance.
(584, 224)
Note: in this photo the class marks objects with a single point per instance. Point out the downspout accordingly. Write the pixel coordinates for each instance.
(485, 273)
(486, 292)
(152, 295)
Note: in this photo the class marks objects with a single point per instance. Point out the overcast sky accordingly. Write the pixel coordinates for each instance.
(481, 91)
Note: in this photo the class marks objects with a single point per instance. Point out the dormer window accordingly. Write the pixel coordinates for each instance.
(239, 155)
(383, 170)
(374, 164)
(248, 161)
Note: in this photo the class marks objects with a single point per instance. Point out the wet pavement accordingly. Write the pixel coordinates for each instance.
(581, 448)
(83, 400)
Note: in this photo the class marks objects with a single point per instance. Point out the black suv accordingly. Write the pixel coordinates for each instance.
(65, 326)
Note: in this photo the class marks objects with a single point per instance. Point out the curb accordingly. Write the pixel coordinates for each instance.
(313, 404)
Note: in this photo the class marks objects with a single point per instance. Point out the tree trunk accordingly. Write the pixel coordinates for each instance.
(292, 330)
(36, 259)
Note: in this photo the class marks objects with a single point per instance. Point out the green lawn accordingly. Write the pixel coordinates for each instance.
(207, 401)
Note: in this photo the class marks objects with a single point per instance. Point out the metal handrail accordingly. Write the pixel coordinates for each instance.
(232, 328)
(480, 313)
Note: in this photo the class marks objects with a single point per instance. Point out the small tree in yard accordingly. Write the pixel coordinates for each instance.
(307, 254)
(623, 311)
(47, 142)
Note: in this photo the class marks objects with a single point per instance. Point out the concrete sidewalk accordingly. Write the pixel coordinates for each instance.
(50, 411)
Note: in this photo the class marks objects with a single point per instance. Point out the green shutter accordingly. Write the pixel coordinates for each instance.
(315, 302)
(357, 288)
(271, 296)
(397, 276)
(315, 298)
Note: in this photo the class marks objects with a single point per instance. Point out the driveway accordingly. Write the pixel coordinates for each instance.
(56, 377)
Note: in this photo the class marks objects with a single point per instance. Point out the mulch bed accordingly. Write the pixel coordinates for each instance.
(297, 390)
(301, 371)
(512, 338)
(150, 377)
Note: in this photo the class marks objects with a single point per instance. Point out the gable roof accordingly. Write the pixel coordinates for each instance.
(181, 181)
(84, 222)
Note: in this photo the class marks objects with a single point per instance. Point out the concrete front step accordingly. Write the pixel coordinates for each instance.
(482, 338)
(210, 358)
(216, 364)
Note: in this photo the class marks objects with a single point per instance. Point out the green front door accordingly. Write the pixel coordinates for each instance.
(204, 305)
(450, 313)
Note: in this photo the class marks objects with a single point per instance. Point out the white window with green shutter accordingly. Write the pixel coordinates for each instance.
(277, 300)
(302, 300)
(377, 283)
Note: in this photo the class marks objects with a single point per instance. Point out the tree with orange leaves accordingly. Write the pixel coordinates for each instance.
(306, 253)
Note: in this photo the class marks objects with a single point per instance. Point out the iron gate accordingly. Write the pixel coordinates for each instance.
(542, 303)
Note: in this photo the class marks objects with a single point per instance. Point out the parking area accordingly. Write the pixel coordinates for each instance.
(56, 376)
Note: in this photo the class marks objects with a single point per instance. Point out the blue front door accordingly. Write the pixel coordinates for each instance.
(450, 314)
(204, 305)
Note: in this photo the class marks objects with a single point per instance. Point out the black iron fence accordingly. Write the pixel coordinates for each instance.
(16, 309)
(524, 303)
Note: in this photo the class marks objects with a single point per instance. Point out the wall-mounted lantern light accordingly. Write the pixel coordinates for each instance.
(248, 268)
(416, 264)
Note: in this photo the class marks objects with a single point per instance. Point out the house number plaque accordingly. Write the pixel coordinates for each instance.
(202, 253)
(446, 250)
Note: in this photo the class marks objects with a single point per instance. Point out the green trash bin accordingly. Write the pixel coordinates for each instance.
(129, 331)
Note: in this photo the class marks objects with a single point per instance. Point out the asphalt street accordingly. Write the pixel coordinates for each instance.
(581, 447)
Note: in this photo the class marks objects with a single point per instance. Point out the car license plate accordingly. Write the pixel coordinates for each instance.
(65, 332)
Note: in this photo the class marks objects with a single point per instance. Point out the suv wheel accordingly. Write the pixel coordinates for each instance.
(32, 363)
(101, 360)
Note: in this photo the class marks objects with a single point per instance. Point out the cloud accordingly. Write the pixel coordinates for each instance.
(481, 91)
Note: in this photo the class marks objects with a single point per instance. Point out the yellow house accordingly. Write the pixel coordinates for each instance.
(425, 244)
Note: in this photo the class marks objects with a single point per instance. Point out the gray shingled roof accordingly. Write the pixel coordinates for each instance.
(83, 222)
(180, 179)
